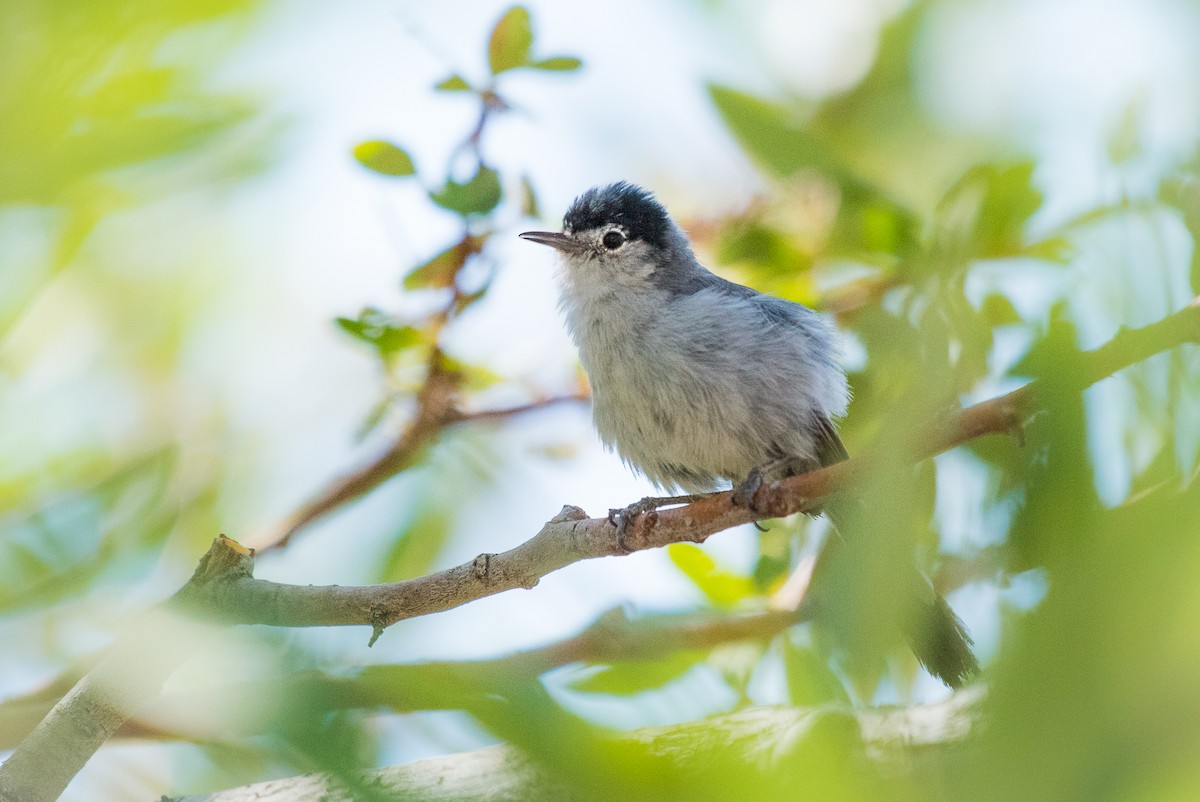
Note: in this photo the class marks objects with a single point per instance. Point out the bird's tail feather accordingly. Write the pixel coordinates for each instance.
(936, 635)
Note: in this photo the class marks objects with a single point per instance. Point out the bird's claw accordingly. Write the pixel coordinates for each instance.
(743, 494)
(622, 517)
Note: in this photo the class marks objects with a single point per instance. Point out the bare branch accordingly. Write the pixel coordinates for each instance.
(434, 401)
(488, 415)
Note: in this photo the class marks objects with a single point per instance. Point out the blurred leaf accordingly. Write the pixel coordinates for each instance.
(737, 662)
(441, 271)
(479, 195)
(1124, 142)
(1010, 199)
(774, 136)
(557, 64)
(755, 242)
(476, 377)
(375, 417)
(722, 587)
(999, 311)
(378, 329)
(1182, 192)
(384, 158)
(774, 557)
(465, 300)
(113, 529)
(869, 219)
(1121, 607)
(1059, 339)
(1051, 249)
(90, 203)
(418, 545)
(455, 83)
(882, 125)
(882, 228)
(810, 680)
(511, 41)
(984, 214)
(637, 676)
(529, 201)
(125, 120)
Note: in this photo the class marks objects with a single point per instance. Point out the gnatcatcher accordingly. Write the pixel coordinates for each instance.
(697, 381)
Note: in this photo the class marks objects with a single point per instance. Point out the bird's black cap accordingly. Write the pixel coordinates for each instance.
(624, 204)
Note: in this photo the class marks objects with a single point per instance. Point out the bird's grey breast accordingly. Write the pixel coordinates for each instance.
(698, 380)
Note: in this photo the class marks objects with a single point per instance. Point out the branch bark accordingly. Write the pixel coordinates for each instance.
(764, 738)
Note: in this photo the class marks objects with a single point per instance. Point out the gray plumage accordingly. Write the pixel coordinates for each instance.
(697, 381)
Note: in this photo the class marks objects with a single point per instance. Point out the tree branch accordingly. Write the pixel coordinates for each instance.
(613, 637)
(764, 738)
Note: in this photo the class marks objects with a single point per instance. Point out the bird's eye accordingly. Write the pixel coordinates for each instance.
(613, 240)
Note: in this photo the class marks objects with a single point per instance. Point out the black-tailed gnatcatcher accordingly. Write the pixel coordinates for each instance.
(697, 380)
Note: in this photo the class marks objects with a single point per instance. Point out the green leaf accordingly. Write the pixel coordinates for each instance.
(870, 219)
(557, 64)
(529, 201)
(773, 136)
(985, 213)
(1010, 201)
(418, 545)
(384, 158)
(511, 41)
(1051, 249)
(455, 83)
(440, 271)
(722, 587)
(997, 310)
(809, 678)
(636, 677)
(479, 195)
(377, 328)
(475, 377)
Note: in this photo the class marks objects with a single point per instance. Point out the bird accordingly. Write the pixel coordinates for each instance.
(698, 382)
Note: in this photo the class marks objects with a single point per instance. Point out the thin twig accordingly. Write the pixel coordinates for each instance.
(436, 411)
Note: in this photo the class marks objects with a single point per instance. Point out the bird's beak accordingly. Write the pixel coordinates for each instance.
(560, 242)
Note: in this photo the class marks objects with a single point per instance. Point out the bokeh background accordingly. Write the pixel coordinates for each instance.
(211, 307)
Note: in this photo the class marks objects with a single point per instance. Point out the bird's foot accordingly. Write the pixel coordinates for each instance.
(744, 493)
(622, 517)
